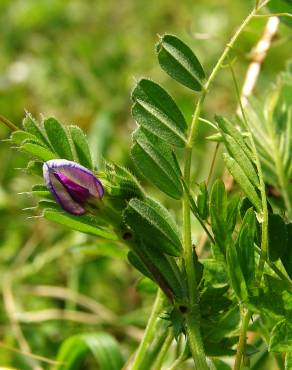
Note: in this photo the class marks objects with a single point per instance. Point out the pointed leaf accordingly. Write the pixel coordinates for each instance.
(167, 267)
(58, 138)
(235, 273)
(139, 265)
(18, 137)
(243, 181)
(38, 151)
(229, 128)
(232, 211)
(202, 201)
(81, 146)
(245, 246)
(218, 213)
(83, 224)
(242, 159)
(30, 125)
(152, 222)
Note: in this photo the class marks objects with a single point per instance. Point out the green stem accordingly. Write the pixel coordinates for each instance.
(8, 123)
(163, 351)
(242, 340)
(193, 317)
(181, 359)
(149, 332)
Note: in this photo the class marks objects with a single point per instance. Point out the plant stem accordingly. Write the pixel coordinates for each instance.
(8, 123)
(177, 362)
(163, 351)
(264, 236)
(193, 317)
(149, 332)
(242, 340)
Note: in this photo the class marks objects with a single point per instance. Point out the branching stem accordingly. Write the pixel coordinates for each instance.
(193, 317)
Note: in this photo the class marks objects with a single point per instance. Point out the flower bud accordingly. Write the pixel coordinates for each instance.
(73, 186)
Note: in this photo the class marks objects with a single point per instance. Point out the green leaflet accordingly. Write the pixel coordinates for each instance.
(35, 168)
(218, 214)
(18, 137)
(281, 6)
(281, 337)
(232, 211)
(58, 138)
(81, 146)
(202, 201)
(102, 346)
(229, 128)
(83, 224)
(123, 185)
(235, 273)
(153, 224)
(156, 164)
(278, 237)
(167, 267)
(243, 181)
(242, 159)
(156, 111)
(40, 190)
(238, 149)
(179, 61)
(245, 246)
(31, 126)
(139, 265)
(38, 151)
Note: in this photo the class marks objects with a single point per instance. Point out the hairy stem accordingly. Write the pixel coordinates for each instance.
(242, 340)
(8, 123)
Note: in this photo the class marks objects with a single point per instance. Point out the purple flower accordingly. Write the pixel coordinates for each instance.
(73, 186)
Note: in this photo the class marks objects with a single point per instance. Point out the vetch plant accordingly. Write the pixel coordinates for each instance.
(203, 305)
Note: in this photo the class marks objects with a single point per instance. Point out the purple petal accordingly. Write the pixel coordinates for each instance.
(77, 192)
(70, 183)
(78, 174)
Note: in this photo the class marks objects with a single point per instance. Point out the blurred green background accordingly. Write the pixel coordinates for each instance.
(78, 61)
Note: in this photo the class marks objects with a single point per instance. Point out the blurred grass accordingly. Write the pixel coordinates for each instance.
(78, 60)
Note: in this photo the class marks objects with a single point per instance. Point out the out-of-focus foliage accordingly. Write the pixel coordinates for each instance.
(78, 60)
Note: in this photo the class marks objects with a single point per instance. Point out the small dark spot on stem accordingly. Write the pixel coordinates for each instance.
(183, 309)
(127, 235)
